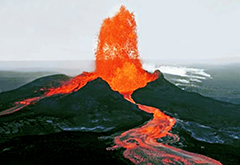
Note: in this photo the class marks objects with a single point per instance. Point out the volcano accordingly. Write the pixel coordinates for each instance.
(112, 115)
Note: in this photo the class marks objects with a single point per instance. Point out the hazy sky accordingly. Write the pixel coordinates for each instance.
(167, 30)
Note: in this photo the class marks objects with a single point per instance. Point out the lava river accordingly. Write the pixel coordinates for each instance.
(117, 62)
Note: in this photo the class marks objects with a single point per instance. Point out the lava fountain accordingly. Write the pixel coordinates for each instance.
(117, 58)
(117, 62)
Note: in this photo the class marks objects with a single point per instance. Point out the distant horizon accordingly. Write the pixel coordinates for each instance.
(231, 59)
(75, 67)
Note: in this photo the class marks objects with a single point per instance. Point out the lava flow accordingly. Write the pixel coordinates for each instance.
(117, 62)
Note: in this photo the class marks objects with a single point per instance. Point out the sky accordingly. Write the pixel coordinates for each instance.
(187, 30)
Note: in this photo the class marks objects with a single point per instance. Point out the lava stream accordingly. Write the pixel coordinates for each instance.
(142, 146)
(20, 105)
(73, 85)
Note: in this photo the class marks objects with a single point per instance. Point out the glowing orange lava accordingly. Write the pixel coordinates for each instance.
(142, 146)
(117, 62)
(117, 58)
(72, 85)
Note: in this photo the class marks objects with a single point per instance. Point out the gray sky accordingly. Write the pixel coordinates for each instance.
(167, 30)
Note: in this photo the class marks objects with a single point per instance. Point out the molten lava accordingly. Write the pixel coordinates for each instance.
(117, 62)
(72, 85)
(117, 58)
(142, 146)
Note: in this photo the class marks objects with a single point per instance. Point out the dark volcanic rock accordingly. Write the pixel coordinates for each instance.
(32, 89)
(94, 108)
(187, 106)
(60, 148)
(226, 154)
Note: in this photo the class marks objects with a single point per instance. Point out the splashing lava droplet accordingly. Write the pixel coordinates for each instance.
(117, 62)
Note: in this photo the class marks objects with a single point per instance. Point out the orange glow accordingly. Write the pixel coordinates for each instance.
(142, 146)
(28, 101)
(20, 104)
(72, 85)
(117, 58)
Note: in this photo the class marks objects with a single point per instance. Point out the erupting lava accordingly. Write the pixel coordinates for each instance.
(117, 62)
(117, 59)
